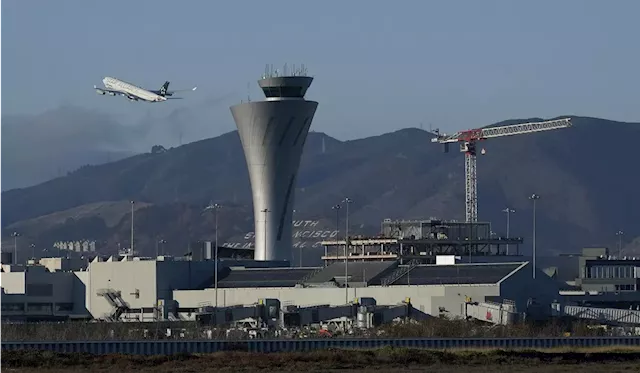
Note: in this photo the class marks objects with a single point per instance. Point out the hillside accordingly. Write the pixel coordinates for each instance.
(36, 148)
(39, 147)
(586, 186)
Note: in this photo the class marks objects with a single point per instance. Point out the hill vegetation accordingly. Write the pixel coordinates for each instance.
(587, 186)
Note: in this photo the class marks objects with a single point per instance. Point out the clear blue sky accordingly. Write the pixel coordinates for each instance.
(379, 66)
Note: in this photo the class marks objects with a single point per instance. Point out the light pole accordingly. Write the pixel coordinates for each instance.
(346, 201)
(534, 197)
(160, 242)
(337, 208)
(216, 207)
(508, 211)
(132, 203)
(15, 247)
(33, 251)
(619, 234)
(266, 211)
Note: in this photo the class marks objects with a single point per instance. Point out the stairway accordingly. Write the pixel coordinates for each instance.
(309, 275)
(115, 300)
(399, 272)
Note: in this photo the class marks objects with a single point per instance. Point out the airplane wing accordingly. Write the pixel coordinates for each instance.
(108, 91)
(112, 92)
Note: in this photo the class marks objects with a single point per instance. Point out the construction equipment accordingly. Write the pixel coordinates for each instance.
(468, 139)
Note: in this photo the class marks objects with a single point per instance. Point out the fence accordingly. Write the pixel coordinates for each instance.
(261, 345)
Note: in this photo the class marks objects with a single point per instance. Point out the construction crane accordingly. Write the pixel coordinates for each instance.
(468, 140)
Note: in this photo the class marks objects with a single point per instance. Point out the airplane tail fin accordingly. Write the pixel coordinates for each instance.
(164, 88)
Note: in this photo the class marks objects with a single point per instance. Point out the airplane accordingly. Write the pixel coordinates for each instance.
(118, 87)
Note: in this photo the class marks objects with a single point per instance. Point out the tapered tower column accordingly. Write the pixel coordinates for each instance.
(273, 133)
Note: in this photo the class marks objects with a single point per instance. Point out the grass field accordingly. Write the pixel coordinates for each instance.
(381, 360)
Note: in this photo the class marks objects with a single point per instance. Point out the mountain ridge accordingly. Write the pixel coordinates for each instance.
(395, 175)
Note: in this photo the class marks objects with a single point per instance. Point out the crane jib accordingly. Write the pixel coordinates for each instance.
(470, 135)
(513, 129)
(468, 138)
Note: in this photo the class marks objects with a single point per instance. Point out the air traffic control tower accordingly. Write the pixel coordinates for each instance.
(273, 133)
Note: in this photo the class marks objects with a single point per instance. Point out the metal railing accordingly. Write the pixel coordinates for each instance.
(264, 345)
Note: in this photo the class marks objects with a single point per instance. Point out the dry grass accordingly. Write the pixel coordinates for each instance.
(386, 359)
(442, 328)
(110, 211)
(436, 328)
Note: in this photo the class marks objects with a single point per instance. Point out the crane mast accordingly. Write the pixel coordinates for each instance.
(468, 140)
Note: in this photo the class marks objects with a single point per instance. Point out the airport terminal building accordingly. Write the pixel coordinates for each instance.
(131, 288)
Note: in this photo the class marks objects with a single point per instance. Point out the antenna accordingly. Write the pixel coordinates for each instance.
(248, 92)
(288, 70)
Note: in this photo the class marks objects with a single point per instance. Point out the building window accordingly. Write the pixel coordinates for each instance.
(625, 287)
(64, 307)
(39, 290)
(12, 307)
(39, 307)
(284, 91)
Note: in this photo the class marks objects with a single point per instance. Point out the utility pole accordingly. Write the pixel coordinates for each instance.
(508, 211)
(15, 247)
(346, 201)
(216, 207)
(534, 197)
(619, 234)
(132, 203)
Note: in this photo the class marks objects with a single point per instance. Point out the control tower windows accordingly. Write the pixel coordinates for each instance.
(286, 91)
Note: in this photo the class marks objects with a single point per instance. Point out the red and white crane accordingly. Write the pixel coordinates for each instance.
(468, 139)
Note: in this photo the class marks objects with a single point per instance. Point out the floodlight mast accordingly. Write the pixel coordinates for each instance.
(468, 140)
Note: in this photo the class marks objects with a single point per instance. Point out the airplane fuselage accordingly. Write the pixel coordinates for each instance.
(129, 90)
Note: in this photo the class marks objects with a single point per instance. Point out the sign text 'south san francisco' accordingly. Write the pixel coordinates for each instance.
(304, 235)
